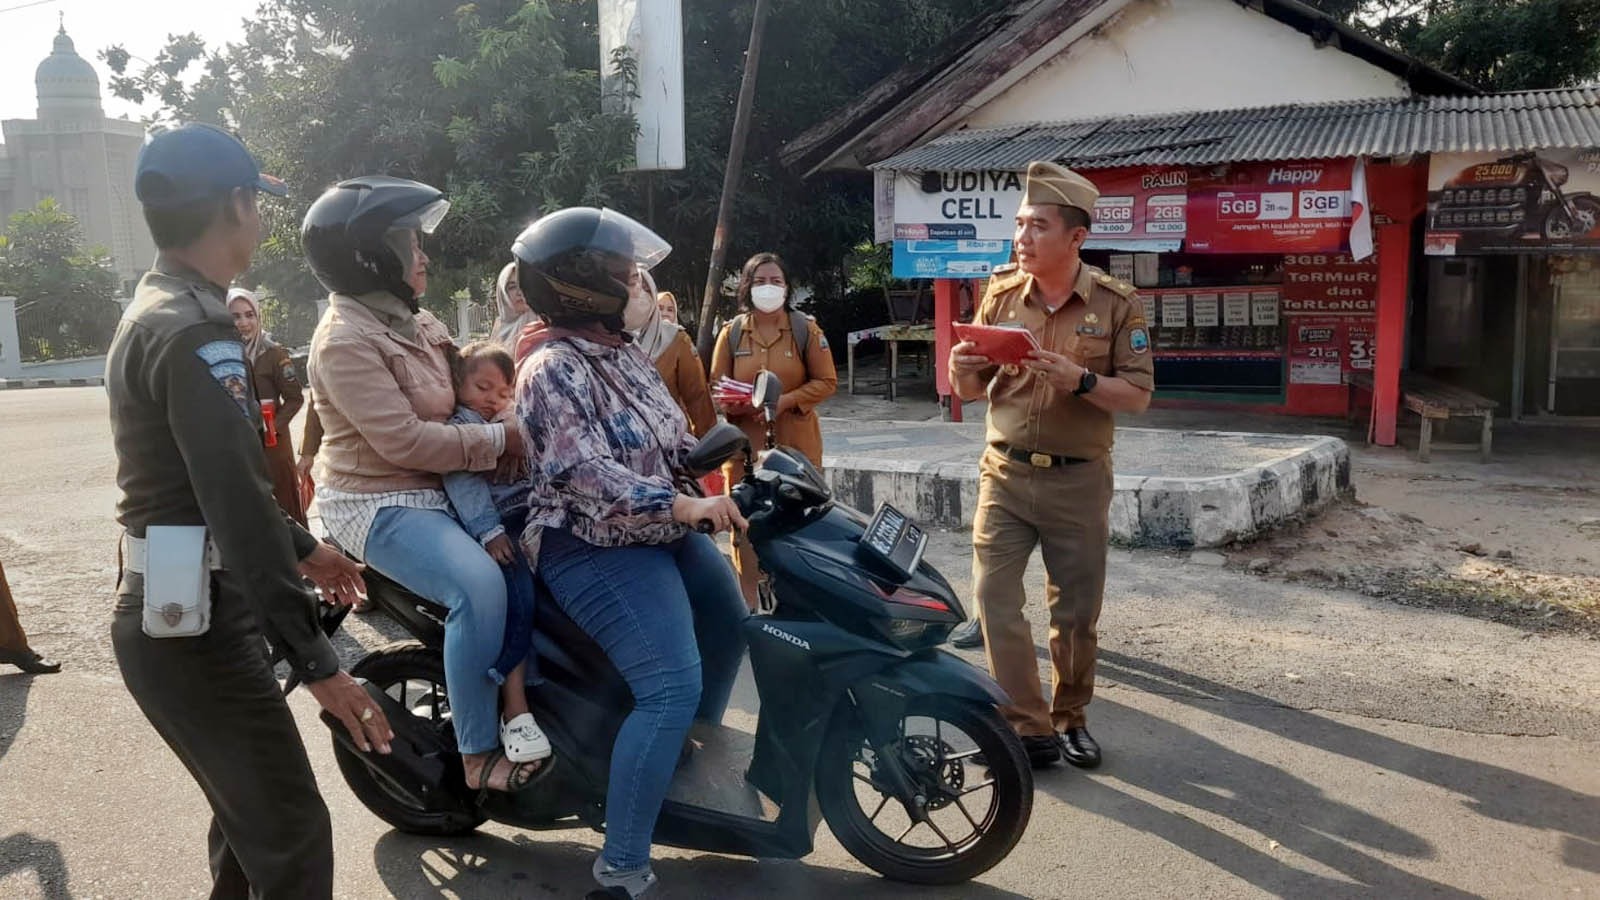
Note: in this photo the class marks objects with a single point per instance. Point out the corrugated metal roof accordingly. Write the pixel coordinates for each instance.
(1524, 120)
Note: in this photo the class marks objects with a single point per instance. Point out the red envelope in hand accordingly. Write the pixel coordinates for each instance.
(1006, 346)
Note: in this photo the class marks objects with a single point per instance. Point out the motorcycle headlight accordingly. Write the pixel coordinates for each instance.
(1556, 173)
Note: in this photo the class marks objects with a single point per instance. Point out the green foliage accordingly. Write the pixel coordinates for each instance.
(500, 102)
(68, 287)
(1500, 45)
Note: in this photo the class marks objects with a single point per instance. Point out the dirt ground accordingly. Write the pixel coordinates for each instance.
(1509, 546)
(1515, 540)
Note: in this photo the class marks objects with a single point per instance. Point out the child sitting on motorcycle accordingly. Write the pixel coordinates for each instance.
(494, 513)
(608, 530)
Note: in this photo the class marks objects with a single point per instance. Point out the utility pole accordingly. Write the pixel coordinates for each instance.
(730, 183)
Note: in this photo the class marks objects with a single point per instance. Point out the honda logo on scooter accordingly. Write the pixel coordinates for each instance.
(786, 636)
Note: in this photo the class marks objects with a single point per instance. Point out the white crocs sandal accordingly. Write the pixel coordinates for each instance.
(524, 740)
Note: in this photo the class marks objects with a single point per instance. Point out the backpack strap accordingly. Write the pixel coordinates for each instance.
(799, 329)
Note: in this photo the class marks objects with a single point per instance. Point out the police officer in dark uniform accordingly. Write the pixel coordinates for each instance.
(188, 436)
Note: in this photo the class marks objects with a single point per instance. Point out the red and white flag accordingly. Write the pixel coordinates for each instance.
(1360, 214)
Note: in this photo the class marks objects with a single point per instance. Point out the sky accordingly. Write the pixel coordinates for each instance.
(142, 27)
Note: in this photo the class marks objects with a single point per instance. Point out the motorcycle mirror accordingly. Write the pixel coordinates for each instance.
(717, 447)
(768, 388)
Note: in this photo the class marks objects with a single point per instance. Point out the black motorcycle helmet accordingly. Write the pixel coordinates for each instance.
(357, 235)
(574, 265)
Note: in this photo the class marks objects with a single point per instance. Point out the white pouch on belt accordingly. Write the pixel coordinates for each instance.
(177, 581)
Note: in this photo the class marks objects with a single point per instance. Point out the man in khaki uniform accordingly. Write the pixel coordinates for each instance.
(1045, 478)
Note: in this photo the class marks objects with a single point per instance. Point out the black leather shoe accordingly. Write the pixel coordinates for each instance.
(1043, 752)
(30, 662)
(1079, 748)
(967, 635)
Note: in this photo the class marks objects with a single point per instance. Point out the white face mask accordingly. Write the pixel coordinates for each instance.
(768, 297)
(640, 305)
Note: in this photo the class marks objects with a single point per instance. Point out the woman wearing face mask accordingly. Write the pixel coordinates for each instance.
(275, 381)
(670, 347)
(770, 335)
(667, 302)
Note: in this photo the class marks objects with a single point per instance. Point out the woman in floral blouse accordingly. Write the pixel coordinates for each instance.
(608, 529)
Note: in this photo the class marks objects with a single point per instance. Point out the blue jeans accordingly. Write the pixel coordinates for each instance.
(428, 553)
(522, 599)
(668, 617)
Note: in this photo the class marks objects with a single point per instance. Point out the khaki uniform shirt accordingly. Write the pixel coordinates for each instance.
(810, 381)
(1100, 327)
(680, 368)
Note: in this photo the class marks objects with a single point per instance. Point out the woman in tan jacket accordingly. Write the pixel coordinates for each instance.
(767, 340)
(670, 347)
(381, 377)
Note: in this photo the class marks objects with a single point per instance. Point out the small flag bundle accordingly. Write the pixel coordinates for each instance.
(727, 390)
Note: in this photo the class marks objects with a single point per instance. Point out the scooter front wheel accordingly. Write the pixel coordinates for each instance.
(968, 768)
(413, 675)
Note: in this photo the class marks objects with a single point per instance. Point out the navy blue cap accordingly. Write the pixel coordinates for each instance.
(194, 162)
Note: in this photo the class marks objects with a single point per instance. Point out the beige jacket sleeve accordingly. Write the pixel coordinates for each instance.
(357, 382)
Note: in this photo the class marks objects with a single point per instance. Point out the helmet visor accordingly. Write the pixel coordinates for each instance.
(627, 237)
(429, 217)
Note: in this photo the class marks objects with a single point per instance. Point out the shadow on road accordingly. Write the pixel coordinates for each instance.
(1168, 760)
(14, 689)
(22, 852)
(485, 866)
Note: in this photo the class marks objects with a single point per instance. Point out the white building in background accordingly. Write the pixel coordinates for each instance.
(77, 155)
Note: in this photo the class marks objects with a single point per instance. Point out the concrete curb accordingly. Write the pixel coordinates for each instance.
(16, 384)
(1146, 511)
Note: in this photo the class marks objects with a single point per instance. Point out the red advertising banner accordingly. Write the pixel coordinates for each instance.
(1276, 207)
(1141, 203)
(1330, 304)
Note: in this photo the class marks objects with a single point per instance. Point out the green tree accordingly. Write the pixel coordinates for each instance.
(1499, 45)
(45, 264)
(500, 102)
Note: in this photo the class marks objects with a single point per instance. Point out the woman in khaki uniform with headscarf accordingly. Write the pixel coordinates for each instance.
(767, 341)
(275, 380)
(672, 350)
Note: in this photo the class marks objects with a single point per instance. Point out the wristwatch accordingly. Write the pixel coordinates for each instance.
(1086, 384)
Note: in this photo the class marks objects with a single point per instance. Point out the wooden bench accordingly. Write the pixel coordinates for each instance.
(1431, 399)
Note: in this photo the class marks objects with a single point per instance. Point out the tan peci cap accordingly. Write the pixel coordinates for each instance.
(1051, 183)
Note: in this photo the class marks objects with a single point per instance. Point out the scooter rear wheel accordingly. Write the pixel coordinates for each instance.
(963, 758)
(414, 676)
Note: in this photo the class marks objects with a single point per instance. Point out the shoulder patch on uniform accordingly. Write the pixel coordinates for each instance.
(1003, 269)
(225, 360)
(1139, 340)
(286, 371)
(822, 341)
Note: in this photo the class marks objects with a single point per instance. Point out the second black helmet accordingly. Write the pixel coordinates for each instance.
(574, 265)
(357, 235)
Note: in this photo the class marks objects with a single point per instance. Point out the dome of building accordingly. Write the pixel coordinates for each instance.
(65, 81)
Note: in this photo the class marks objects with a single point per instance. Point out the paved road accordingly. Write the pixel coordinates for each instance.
(1262, 740)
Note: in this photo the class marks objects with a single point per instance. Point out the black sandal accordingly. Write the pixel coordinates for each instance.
(523, 775)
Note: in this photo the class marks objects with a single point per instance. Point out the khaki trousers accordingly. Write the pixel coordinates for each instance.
(1063, 510)
(12, 636)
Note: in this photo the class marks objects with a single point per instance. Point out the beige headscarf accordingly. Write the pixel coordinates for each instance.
(508, 321)
(656, 334)
(262, 341)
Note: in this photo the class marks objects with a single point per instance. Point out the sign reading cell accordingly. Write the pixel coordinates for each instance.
(968, 206)
(1280, 207)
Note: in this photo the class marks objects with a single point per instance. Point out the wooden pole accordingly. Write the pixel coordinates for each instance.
(730, 183)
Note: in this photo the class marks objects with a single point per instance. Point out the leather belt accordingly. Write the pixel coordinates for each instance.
(135, 555)
(1037, 460)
